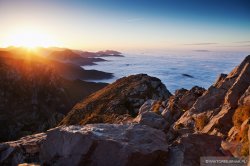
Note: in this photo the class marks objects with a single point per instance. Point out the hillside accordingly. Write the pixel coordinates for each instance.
(69, 56)
(33, 96)
(66, 62)
(122, 97)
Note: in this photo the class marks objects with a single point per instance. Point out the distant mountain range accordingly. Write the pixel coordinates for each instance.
(38, 89)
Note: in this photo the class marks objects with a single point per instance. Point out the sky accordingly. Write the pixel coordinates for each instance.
(201, 25)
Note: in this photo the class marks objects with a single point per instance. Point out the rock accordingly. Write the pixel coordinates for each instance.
(172, 112)
(221, 99)
(93, 144)
(26, 149)
(222, 121)
(147, 106)
(104, 144)
(237, 141)
(180, 102)
(125, 96)
(245, 98)
(239, 87)
(153, 106)
(190, 97)
(151, 119)
(189, 148)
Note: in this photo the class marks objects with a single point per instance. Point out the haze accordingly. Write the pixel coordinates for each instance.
(128, 25)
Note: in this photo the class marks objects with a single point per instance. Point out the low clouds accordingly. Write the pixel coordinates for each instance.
(243, 42)
(201, 50)
(201, 44)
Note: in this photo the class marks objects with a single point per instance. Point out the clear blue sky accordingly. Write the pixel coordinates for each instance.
(131, 24)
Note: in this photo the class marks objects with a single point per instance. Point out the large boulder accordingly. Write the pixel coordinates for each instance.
(93, 144)
(125, 96)
(104, 144)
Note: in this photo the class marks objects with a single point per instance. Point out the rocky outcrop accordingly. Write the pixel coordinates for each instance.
(237, 141)
(222, 122)
(180, 102)
(125, 96)
(215, 108)
(175, 106)
(93, 144)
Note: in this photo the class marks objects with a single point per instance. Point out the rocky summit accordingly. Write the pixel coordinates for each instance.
(136, 121)
(125, 96)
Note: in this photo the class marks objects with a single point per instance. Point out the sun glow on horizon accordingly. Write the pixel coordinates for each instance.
(30, 38)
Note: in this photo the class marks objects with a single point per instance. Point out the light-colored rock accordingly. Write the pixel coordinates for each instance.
(151, 119)
(180, 102)
(222, 121)
(104, 144)
(245, 98)
(147, 106)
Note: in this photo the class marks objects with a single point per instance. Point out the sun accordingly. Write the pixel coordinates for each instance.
(30, 38)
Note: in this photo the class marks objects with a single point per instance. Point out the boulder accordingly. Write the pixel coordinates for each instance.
(104, 144)
(190, 97)
(125, 96)
(151, 119)
(180, 102)
(93, 144)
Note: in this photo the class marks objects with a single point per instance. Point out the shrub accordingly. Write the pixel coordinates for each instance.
(201, 121)
(240, 115)
(156, 107)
